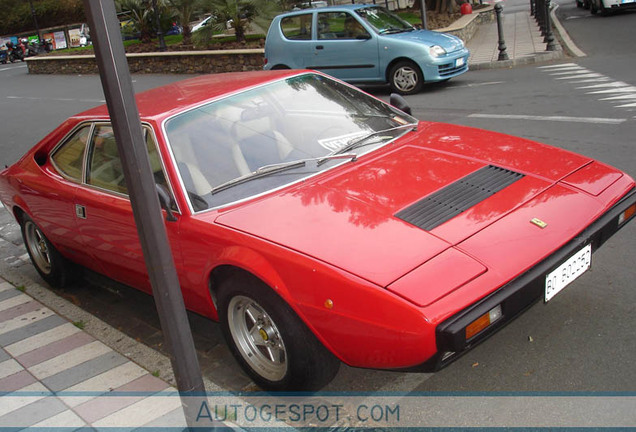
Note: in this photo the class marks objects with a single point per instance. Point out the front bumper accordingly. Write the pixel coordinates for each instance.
(520, 293)
(445, 67)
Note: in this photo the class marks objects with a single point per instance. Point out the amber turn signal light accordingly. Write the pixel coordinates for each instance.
(483, 321)
(627, 214)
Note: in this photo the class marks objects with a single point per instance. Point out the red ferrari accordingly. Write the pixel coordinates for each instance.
(321, 225)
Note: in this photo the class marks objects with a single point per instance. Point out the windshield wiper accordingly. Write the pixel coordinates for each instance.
(279, 167)
(395, 30)
(358, 142)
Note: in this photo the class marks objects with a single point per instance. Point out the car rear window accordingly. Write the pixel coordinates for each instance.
(297, 27)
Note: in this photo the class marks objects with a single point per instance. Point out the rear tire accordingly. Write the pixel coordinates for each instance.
(268, 339)
(46, 259)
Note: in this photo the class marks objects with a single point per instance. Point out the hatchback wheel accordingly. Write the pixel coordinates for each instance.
(268, 339)
(406, 78)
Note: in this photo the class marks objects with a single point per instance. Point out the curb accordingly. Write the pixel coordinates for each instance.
(548, 56)
(563, 36)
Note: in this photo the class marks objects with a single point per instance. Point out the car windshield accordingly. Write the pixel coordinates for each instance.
(248, 143)
(384, 21)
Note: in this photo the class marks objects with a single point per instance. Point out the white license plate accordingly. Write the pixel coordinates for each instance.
(571, 269)
(460, 62)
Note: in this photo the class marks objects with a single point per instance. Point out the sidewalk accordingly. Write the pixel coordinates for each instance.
(42, 354)
(522, 36)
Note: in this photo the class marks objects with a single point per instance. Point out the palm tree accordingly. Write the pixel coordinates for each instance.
(140, 13)
(239, 14)
(184, 11)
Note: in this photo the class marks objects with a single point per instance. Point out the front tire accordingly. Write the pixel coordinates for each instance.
(269, 341)
(46, 259)
(406, 78)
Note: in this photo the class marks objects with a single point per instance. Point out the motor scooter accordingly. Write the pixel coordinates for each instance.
(15, 53)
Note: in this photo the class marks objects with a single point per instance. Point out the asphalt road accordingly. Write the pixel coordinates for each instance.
(582, 340)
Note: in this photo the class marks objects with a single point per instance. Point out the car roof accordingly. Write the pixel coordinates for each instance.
(165, 101)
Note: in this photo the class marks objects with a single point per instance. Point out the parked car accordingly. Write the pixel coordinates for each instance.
(363, 43)
(319, 224)
(204, 22)
(607, 6)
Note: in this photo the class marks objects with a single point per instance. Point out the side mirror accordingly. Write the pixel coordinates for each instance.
(165, 201)
(400, 103)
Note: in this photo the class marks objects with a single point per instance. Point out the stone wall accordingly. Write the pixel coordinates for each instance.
(465, 27)
(190, 62)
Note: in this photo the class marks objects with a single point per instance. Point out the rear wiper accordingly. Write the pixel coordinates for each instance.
(279, 167)
(358, 142)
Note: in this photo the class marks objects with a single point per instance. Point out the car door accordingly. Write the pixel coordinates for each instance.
(104, 214)
(345, 48)
(52, 207)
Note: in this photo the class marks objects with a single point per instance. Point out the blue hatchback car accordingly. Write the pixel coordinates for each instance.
(363, 44)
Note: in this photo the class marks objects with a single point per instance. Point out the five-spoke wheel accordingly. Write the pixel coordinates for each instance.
(268, 339)
(49, 263)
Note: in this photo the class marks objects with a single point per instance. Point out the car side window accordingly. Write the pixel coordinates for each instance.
(105, 168)
(297, 27)
(340, 25)
(69, 157)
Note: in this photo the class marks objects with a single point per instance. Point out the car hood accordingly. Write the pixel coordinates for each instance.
(350, 217)
(449, 42)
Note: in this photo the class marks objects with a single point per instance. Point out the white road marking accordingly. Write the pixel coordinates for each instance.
(606, 84)
(12, 68)
(595, 120)
(580, 71)
(595, 80)
(478, 84)
(627, 106)
(56, 99)
(586, 75)
(630, 89)
(562, 65)
(621, 97)
(599, 84)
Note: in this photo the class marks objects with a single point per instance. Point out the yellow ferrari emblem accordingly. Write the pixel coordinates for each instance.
(538, 222)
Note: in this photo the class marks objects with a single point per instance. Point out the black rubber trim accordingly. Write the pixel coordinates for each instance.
(521, 293)
(458, 197)
(363, 66)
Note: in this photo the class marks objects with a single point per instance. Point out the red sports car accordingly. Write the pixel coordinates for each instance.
(321, 225)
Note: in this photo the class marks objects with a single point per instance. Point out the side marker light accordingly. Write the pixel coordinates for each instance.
(483, 321)
(627, 214)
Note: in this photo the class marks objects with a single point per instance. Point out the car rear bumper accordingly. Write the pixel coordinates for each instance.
(520, 293)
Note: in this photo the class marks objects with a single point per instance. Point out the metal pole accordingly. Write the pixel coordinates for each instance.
(540, 15)
(162, 42)
(503, 55)
(423, 13)
(35, 21)
(548, 29)
(120, 99)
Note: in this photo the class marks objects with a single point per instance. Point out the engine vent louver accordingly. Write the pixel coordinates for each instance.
(458, 197)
